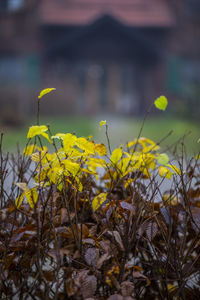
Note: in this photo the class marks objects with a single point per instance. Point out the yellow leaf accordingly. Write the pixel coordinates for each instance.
(88, 171)
(116, 155)
(40, 157)
(55, 174)
(31, 196)
(76, 153)
(101, 149)
(164, 172)
(174, 168)
(101, 124)
(171, 287)
(68, 141)
(123, 165)
(29, 149)
(45, 91)
(19, 200)
(98, 201)
(128, 182)
(38, 130)
(96, 162)
(45, 135)
(72, 167)
(79, 184)
(85, 145)
(145, 143)
(170, 199)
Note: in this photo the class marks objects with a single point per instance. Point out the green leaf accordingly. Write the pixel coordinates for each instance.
(163, 159)
(45, 91)
(161, 103)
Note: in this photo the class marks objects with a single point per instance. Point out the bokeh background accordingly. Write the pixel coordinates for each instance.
(107, 59)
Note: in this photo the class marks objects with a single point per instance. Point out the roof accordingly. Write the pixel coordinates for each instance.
(98, 34)
(141, 13)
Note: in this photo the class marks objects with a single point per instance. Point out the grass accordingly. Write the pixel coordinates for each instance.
(79, 125)
(120, 130)
(123, 130)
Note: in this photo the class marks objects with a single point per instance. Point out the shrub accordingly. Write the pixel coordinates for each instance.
(82, 221)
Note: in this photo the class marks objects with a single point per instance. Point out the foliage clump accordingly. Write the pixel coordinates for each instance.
(82, 221)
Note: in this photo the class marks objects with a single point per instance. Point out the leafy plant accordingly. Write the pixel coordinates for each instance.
(85, 221)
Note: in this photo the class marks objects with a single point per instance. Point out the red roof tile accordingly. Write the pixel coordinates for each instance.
(129, 12)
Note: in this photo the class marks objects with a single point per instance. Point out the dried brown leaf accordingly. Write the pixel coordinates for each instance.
(102, 259)
(76, 255)
(127, 288)
(127, 206)
(109, 213)
(106, 246)
(151, 230)
(11, 209)
(48, 275)
(64, 215)
(143, 228)
(87, 283)
(9, 259)
(89, 241)
(71, 287)
(91, 256)
(115, 297)
(137, 274)
(117, 237)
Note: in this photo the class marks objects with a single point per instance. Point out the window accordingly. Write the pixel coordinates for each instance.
(11, 70)
(193, 7)
(10, 5)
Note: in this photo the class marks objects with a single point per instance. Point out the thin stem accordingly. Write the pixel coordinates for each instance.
(109, 147)
(38, 111)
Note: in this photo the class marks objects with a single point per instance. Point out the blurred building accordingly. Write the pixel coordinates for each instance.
(102, 55)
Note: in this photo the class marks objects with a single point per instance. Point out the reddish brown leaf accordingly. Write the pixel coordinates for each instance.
(9, 259)
(11, 209)
(48, 275)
